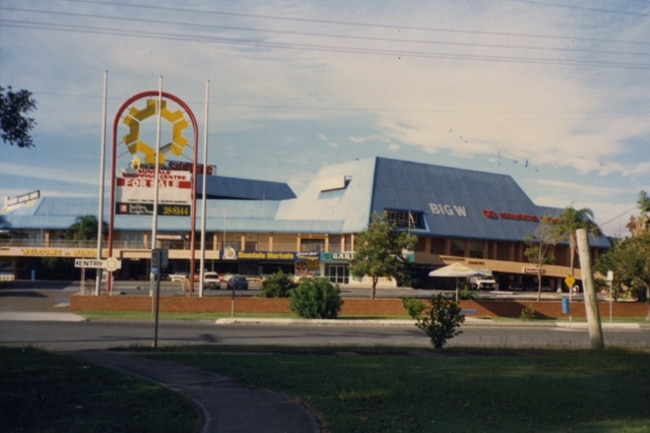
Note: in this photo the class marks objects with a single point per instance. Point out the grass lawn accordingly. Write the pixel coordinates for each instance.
(351, 389)
(452, 391)
(41, 392)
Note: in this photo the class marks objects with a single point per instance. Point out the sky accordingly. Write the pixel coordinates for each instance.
(555, 94)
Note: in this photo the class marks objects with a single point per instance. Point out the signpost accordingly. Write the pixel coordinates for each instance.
(110, 264)
(159, 261)
(570, 281)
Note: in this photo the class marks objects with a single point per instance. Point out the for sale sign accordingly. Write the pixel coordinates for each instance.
(138, 186)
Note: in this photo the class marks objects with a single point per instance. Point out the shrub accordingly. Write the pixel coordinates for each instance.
(465, 292)
(278, 285)
(315, 298)
(414, 307)
(527, 313)
(441, 321)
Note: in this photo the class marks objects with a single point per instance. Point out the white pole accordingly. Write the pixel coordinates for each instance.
(591, 300)
(154, 224)
(102, 163)
(203, 198)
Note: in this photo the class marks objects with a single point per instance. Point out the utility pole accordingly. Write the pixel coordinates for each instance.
(591, 301)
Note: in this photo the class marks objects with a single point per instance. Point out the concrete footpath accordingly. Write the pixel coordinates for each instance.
(227, 407)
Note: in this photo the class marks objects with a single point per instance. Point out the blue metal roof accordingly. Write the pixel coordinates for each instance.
(243, 189)
(341, 198)
(457, 202)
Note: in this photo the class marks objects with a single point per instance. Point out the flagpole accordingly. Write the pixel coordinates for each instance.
(204, 195)
(102, 163)
(154, 223)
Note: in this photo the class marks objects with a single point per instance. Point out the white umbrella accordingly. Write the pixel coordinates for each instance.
(455, 270)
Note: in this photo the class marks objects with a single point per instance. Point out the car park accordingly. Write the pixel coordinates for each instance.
(238, 283)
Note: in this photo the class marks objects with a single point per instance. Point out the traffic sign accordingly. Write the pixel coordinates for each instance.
(569, 281)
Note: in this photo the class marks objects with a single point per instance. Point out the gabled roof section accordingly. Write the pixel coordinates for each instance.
(243, 189)
(339, 192)
(455, 202)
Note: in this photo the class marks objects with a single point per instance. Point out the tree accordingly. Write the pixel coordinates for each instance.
(540, 248)
(629, 260)
(640, 225)
(84, 228)
(379, 251)
(570, 220)
(14, 125)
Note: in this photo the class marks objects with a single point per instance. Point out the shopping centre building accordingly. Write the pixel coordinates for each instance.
(255, 227)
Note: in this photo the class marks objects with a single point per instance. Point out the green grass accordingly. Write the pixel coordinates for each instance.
(451, 391)
(351, 389)
(43, 392)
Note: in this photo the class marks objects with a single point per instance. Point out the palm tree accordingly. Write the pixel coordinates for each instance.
(84, 228)
(570, 220)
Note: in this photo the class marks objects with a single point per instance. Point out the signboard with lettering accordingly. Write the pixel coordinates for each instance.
(111, 264)
(137, 185)
(17, 201)
(147, 209)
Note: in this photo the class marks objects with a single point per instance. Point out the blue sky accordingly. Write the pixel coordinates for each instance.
(554, 94)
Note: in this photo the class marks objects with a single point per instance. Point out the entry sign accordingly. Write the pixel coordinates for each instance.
(569, 281)
(110, 264)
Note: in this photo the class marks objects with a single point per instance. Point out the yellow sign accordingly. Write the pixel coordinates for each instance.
(132, 139)
(569, 281)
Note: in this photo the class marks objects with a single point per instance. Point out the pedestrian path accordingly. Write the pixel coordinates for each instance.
(227, 407)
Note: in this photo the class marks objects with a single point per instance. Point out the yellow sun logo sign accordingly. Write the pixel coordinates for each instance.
(135, 145)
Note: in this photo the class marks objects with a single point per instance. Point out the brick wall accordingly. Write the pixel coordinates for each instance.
(368, 307)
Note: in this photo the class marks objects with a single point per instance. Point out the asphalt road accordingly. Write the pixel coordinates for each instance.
(36, 314)
(68, 336)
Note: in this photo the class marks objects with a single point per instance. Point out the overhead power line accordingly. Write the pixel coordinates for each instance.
(195, 25)
(354, 24)
(320, 47)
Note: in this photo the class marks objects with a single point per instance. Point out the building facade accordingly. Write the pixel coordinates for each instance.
(255, 227)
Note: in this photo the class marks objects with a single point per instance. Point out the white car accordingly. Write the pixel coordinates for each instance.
(212, 280)
(177, 277)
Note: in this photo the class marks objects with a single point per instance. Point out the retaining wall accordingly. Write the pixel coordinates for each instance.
(351, 306)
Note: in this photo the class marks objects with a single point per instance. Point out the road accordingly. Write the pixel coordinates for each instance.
(33, 316)
(66, 336)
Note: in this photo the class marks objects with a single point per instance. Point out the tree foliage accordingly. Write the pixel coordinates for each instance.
(570, 220)
(629, 260)
(379, 251)
(84, 228)
(15, 126)
(640, 224)
(315, 298)
(278, 285)
(540, 248)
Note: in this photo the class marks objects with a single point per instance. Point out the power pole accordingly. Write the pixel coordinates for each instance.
(591, 301)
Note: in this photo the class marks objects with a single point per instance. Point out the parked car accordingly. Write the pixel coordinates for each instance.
(212, 280)
(482, 282)
(178, 276)
(238, 283)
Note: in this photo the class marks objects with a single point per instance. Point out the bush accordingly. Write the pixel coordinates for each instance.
(441, 321)
(414, 307)
(315, 298)
(278, 285)
(465, 292)
(527, 313)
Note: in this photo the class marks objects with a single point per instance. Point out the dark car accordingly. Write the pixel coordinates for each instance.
(238, 283)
